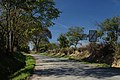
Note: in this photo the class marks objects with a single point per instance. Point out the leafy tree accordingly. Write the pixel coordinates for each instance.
(63, 41)
(109, 29)
(75, 34)
(40, 37)
(19, 18)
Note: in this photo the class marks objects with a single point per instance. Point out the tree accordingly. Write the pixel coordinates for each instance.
(75, 34)
(109, 29)
(63, 41)
(20, 17)
(40, 37)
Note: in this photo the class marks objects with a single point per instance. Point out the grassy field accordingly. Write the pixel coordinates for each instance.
(25, 72)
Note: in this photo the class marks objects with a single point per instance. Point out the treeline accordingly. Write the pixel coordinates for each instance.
(70, 38)
(23, 21)
(108, 32)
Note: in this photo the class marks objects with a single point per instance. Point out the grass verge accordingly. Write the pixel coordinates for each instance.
(25, 72)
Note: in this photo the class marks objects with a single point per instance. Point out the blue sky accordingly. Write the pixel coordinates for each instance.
(83, 13)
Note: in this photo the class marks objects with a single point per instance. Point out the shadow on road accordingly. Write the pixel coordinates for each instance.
(93, 72)
(82, 70)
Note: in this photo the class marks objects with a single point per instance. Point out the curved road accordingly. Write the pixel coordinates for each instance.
(48, 68)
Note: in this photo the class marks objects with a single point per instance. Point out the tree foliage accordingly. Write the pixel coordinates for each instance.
(75, 34)
(109, 29)
(63, 41)
(19, 19)
(40, 36)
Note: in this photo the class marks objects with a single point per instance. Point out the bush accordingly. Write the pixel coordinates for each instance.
(101, 53)
(70, 51)
(24, 48)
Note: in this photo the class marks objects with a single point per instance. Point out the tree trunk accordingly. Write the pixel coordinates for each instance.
(9, 33)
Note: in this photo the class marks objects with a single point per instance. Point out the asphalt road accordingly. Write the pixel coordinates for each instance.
(48, 68)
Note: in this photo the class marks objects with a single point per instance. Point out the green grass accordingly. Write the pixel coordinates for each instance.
(86, 62)
(45, 54)
(58, 56)
(25, 72)
(103, 65)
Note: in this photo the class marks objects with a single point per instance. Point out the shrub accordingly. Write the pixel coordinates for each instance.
(101, 53)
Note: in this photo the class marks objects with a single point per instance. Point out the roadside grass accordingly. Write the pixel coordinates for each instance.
(72, 58)
(103, 65)
(25, 72)
(86, 62)
(45, 54)
(34, 52)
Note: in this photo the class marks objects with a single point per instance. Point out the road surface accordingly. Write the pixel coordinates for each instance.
(48, 68)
